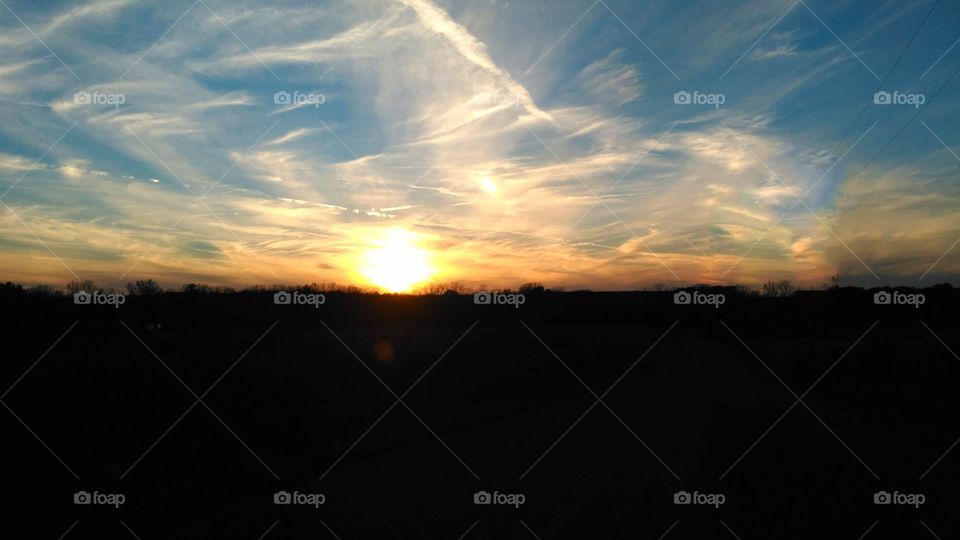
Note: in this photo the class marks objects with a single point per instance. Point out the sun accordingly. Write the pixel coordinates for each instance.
(397, 263)
(488, 185)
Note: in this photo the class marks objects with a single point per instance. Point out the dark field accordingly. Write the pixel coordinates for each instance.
(493, 398)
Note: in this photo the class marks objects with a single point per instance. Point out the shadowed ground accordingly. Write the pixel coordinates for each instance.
(698, 406)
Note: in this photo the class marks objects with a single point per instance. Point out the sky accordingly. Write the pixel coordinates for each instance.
(604, 145)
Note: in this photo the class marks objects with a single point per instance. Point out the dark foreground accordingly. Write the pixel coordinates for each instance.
(594, 410)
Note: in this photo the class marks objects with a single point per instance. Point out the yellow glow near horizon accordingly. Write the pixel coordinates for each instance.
(397, 264)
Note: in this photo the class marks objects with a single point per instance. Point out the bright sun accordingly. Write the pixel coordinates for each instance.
(397, 264)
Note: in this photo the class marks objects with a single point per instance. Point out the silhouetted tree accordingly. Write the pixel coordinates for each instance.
(532, 288)
(780, 288)
(456, 287)
(144, 287)
(43, 290)
(10, 288)
(195, 288)
(76, 286)
(743, 290)
(438, 288)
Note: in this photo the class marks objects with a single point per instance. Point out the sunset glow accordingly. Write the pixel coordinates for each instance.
(524, 147)
(397, 264)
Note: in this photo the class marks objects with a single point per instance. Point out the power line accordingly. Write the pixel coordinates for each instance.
(880, 86)
(919, 110)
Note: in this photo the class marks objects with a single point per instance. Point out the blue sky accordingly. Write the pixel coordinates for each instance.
(516, 141)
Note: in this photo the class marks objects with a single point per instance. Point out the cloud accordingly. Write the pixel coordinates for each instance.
(312, 51)
(11, 162)
(472, 49)
(611, 78)
(98, 9)
(780, 51)
(898, 223)
(600, 182)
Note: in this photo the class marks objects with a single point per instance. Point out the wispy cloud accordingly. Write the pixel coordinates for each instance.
(582, 172)
(779, 51)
